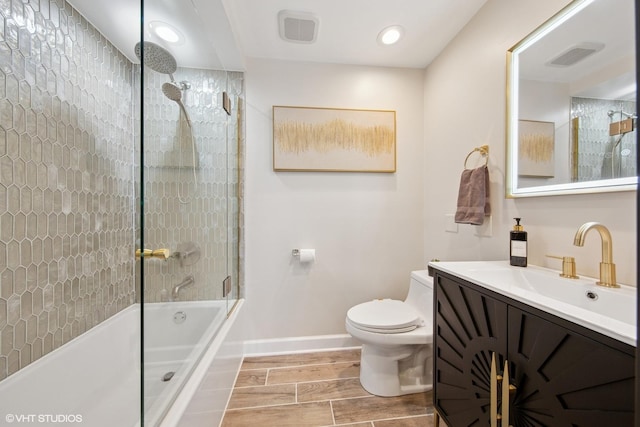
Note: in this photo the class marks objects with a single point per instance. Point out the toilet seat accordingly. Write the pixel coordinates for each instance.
(385, 316)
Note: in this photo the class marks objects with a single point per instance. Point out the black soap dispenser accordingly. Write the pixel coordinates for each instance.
(518, 249)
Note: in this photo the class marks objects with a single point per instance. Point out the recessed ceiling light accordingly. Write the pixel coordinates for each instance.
(166, 32)
(390, 35)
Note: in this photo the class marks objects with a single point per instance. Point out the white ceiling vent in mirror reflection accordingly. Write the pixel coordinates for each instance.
(575, 54)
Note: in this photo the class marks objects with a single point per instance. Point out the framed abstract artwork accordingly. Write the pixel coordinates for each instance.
(333, 139)
(536, 145)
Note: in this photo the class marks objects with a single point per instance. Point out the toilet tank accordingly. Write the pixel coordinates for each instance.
(420, 294)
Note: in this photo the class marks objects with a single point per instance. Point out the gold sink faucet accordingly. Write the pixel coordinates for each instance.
(607, 267)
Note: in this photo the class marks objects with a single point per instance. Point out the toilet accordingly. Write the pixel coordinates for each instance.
(397, 339)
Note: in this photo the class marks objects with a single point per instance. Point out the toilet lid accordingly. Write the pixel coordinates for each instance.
(384, 315)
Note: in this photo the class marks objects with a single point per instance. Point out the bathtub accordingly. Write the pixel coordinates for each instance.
(94, 380)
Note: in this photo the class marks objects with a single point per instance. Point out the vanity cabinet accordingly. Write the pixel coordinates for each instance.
(547, 371)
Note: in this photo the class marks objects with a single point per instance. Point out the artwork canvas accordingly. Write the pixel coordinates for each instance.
(536, 145)
(333, 139)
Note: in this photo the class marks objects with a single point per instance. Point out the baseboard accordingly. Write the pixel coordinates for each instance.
(299, 345)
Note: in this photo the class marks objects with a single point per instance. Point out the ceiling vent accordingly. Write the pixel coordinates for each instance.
(575, 54)
(297, 27)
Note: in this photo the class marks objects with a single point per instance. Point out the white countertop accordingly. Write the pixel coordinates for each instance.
(612, 313)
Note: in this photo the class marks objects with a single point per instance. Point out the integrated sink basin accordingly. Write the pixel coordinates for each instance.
(610, 311)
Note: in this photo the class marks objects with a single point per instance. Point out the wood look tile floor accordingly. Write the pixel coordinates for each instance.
(317, 389)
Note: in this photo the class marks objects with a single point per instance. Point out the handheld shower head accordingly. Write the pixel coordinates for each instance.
(157, 58)
(611, 113)
(174, 93)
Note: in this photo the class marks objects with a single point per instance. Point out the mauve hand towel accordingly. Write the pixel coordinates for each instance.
(473, 196)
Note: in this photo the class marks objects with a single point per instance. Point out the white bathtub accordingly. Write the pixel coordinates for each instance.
(94, 380)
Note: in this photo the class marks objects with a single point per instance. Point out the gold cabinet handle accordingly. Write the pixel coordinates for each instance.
(157, 253)
(507, 389)
(494, 392)
(505, 394)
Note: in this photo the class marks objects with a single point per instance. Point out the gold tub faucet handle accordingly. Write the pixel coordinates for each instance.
(161, 253)
(157, 253)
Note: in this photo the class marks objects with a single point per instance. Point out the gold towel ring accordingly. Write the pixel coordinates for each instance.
(484, 151)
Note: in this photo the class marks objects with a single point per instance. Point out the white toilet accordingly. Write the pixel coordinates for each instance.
(396, 340)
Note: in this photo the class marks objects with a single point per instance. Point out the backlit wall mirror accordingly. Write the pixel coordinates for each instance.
(571, 103)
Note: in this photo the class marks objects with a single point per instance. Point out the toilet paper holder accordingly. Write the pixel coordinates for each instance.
(304, 256)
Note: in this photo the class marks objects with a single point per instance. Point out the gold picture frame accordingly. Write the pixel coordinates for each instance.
(314, 139)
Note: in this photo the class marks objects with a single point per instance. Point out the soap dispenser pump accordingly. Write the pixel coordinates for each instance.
(518, 249)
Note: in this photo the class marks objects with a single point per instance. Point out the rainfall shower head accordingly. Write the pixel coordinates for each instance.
(157, 58)
(174, 93)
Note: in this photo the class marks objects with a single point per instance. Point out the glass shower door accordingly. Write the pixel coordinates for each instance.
(189, 211)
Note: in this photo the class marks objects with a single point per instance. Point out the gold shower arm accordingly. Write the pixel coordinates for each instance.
(157, 253)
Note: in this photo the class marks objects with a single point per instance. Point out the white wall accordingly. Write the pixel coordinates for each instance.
(370, 230)
(465, 107)
(367, 228)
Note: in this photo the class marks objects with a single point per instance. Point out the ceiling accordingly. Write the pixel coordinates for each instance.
(219, 34)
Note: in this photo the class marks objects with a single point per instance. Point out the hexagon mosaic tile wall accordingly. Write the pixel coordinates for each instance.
(66, 181)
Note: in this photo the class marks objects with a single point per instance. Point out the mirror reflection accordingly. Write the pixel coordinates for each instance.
(571, 107)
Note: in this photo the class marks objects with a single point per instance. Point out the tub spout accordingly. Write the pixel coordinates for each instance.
(607, 267)
(176, 289)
